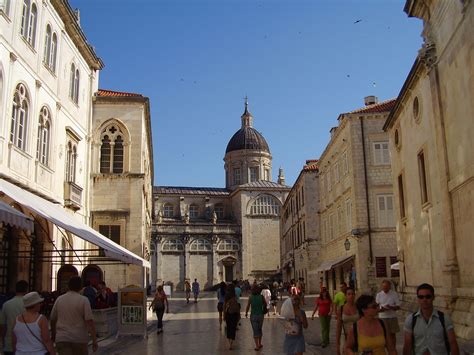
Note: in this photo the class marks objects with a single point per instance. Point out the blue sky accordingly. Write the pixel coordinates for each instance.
(301, 63)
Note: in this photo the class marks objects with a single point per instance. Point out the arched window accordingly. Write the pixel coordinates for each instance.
(28, 21)
(172, 245)
(76, 86)
(219, 209)
(193, 211)
(71, 156)
(168, 210)
(19, 124)
(74, 83)
(71, 81)
(112, 152)
(228, 245)
(47, 45)
(265, 205)
(200, 245)
(54, 51)
(44, 129)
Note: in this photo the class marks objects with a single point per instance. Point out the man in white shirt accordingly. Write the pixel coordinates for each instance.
(389, 303)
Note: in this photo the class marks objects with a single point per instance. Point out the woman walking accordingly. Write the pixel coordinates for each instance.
(294, 343)
(267, 295)
(158, 306)
(257, 305)
(347, 315)
(220, 301)
(324, 304)
(231, 314)
(368, 333)
(30, 329)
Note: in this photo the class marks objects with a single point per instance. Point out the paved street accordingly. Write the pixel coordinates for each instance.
(194, 329)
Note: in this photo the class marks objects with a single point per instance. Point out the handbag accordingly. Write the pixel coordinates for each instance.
(24, 321)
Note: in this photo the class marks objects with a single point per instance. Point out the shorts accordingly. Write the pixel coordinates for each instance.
(220, 306)
(68, 348)
(391, 325)
(256, 320)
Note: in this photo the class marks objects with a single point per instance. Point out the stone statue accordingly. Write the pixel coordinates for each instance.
(186, 218)
(214, 217)
(160, 216)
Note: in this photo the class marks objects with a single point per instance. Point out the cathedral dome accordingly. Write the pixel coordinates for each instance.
(247, 138)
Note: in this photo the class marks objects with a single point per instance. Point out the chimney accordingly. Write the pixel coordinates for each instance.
(281, 177)
(370, 100)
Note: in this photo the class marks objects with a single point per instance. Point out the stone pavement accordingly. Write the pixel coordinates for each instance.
(194, 329)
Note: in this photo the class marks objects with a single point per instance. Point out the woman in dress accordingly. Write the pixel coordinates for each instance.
(30, 330)
(231, 314)
(347, 315)
(220, 301)
(370, 335)
(256, 304)
(294, 343)
(323, 304)
(158, 306)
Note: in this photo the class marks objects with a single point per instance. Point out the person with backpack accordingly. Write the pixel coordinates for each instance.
(231, 314)
(429, 331)
(158, 306)
(368, 334)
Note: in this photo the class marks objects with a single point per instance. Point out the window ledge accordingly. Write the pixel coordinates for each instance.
(19, 150)
(4, 14)
(28, 44)
(48, 68)
(45, 167)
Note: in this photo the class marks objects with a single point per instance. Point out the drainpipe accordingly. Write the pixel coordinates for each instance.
(371, 256)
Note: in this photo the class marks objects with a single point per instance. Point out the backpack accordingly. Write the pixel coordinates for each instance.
(355, 347)
(232, 306)
(445, 334)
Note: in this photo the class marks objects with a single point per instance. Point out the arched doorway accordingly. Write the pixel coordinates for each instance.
(92, 273)
(65, 273)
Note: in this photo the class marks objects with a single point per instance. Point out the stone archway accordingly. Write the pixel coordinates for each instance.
(65, 273)
(228, 268)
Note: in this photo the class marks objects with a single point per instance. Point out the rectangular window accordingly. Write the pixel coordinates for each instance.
(422, 174)
(381, 153)
(336, 172)
(394, 273)
(110, 231)
(385, 211)
(345, 165)
(340, 217)
(329, 179)
(237, 176)
(349, 215)
(253, 173)
(332, 225)
(401, 196)
(380, 266)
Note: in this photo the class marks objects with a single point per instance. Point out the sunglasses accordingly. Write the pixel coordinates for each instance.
(428, 297)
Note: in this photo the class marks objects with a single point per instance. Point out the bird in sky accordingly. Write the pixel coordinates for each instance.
(357, 21)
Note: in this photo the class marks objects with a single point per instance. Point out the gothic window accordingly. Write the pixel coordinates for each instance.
(71, 157)
(112, 152)
(172, 245)
(50, 49)
(28, 22)
(193, 211)
(74, 83)
(228, 245)
(200, 245)
(265, 205)
(168, 210)
(219, 209)
(43, 141)
(19, 123)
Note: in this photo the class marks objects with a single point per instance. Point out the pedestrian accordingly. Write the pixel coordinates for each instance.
(294, 343)
(196, 290)
(367, 335)
(323, 306)
(257, 306)
(10, 310)
(31, 329)
(220, 301)
(72, 323)
(389, 303)
(348, 314)
(274, 298)
(90, 292)
(187, 289)
(158, 306)
(340, 298)
(238, 293)
(104, 296)
(423, 328)
(231, 314)
(268, 296)
(302, 287)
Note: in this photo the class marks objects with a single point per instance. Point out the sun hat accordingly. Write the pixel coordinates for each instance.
(32, 298)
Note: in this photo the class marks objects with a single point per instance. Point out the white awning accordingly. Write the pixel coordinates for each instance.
(329, 264)
(395, 266)
(14, 218)
(58, 215)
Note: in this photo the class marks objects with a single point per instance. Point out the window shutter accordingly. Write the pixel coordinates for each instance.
(381, 266)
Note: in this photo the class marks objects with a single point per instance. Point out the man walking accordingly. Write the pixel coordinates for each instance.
(187, 289)
(72, 321)
(429, 331)
(196, 290)
(10, 310)
(389, 303)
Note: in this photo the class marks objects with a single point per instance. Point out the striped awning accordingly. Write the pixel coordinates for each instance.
(14, 218)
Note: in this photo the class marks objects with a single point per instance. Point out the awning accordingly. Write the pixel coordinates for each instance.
(14, 218)
(395, 266)
(329, 264)
(58, 215)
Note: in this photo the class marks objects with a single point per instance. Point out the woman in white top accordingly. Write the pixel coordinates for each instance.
(267, 295)
(30, 330)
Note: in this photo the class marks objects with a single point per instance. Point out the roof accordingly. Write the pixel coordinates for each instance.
(263, 183)
(383, 106)
(190, 190)
(311, 167)
(247, 138)
(110, 93)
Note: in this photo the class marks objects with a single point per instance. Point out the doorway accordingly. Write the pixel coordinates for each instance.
(229, 273)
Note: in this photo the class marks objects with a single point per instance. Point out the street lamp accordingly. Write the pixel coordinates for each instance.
(347, 244)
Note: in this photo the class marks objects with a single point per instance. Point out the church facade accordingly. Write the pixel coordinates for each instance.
(221, 234)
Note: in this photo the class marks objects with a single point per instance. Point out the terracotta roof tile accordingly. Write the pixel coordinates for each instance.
(110, 93)
(384, 106)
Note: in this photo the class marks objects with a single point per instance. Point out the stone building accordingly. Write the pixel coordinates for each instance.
(48, 75)
(431, 129)
(358, 242)
(222, 234)
(300, 230)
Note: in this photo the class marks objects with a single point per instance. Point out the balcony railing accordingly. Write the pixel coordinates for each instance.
(72, 195)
